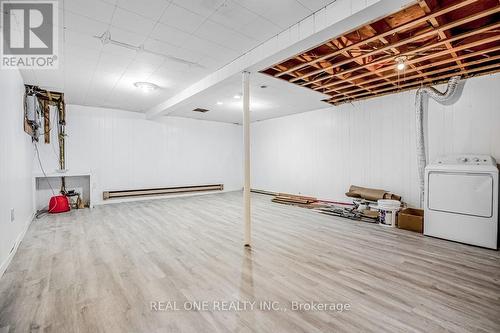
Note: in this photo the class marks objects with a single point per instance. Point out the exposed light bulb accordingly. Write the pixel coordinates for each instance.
(400, 63)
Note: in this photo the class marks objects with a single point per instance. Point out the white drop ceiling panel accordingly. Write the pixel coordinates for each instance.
(261, 26)
(95, 9)
(315, 5)
(151, 9)
(173, 51)
(226, 37)
(201, 7)
(275, 10)
(127, 36)
(210, 49)
(209, 32)
(233, 16)
(82, 40)
(83, 24)
(169, 34)
(132, 22)
(182, 18)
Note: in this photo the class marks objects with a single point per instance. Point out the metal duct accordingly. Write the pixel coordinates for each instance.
(422, 124)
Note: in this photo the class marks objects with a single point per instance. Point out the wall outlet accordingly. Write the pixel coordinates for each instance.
(12, 215)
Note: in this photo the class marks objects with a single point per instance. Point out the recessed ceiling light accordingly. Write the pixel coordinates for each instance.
(220, 103)
(146, 86)
(263, 86)
(237, 96)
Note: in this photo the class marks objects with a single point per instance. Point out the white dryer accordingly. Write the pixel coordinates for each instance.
(461, 199)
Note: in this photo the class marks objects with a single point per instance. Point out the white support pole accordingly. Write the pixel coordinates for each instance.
(246, 158)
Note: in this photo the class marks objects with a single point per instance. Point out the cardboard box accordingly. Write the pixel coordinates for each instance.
(411, 219)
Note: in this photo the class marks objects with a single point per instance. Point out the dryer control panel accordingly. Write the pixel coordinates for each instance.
(465, 160)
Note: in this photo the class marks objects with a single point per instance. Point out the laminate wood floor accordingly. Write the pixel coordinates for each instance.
(100, 270)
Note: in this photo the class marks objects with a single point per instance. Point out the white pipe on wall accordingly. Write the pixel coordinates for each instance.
(421, 124)
(246, 158)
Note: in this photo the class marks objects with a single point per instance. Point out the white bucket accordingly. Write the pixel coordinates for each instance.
(388, 210)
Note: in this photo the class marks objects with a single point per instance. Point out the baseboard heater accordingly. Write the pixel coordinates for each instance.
(254, 190)
(161, 191)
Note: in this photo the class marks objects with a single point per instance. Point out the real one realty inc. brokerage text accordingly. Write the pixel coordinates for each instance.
(237, 305)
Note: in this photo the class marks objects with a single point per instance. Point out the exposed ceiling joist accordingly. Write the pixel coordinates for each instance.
(426, 82)
(484, 54)
(416, 38)
(439, 80)
(385, 34)
(389, 59)
(434, 39)
(392, 68)
(417, 76)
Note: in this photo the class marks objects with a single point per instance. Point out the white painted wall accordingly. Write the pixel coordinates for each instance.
(371, 143)
(123, 150)
(16, 163)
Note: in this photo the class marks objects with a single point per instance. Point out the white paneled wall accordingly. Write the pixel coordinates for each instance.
(16, 158)
(123, 150)
(371, 143)
(472, 124)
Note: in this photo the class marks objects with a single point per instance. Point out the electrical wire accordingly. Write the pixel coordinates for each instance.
(51, 126)
(36, 135)
(47, 210)
(44, 211)
(43, 170)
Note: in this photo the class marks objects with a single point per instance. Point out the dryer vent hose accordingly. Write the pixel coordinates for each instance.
(421, 123)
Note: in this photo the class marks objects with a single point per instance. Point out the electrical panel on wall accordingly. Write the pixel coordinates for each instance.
(37, 104)
(32, 113)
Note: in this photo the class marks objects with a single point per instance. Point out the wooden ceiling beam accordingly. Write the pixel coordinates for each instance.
(420, 59)
(442, 34)
(396, 51)
(437, 71)
(419, 49)
(333, 46)
(412, 87)
(393, 73)
(385, 34)
(346, 54)
(362, 63)
(433, 80)
(448, 26)
(302, 57)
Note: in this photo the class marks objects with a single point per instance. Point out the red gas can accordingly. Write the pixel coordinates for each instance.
(59, 204)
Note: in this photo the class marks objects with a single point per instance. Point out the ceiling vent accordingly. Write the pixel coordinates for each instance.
(200, 110)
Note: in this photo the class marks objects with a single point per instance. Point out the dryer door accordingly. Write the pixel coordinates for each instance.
(461, 193)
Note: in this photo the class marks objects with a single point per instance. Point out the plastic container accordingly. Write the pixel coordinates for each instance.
(388, 210)
(59, 204)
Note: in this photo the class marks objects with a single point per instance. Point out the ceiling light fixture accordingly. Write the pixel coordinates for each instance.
(220, 103)
(237, 96)
(401, 63)
(146, 86)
